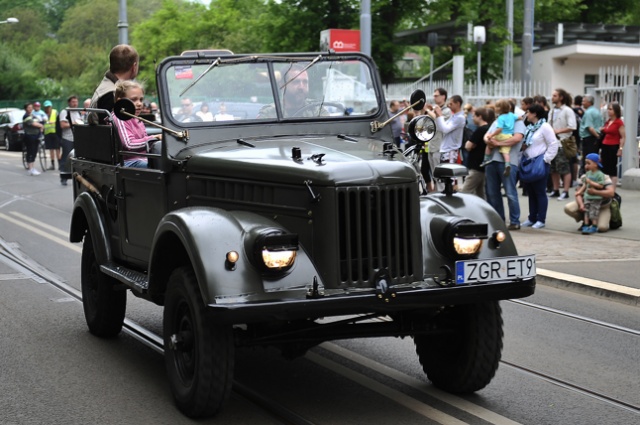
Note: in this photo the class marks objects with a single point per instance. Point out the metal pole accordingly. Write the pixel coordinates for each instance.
(123, 25)
(431, 72)
(479, 63)
(630, 150)
(365, 27)
(507, 73)
(527, 46)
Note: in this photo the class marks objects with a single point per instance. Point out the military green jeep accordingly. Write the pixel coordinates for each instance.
(287, 217)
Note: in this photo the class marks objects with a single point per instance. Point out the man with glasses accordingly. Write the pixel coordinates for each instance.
(186, 112)
(440, 100)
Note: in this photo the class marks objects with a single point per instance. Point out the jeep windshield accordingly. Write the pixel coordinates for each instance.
(206, 91)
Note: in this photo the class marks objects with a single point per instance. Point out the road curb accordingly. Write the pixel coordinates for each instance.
(592, 287)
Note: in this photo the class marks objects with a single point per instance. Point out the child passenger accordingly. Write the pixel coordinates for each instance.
(133, 133)
(593, 178)
(504, 130)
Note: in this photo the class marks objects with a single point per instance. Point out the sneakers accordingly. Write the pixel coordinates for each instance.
(52, 166)
(507, 170)
(486, 161)
(33, 172)
(537, 225)
(587, 230)
(527, 224)
(63, 182)
(554, 194)
(514, 226)
(563, 196)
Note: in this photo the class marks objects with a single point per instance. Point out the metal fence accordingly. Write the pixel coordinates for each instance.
(490, 91)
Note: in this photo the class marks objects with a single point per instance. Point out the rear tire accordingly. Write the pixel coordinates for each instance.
(104, 305)
(465, 360)
(199, 354)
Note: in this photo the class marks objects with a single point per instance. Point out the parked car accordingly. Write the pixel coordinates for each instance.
(11, 132)
(297, 222)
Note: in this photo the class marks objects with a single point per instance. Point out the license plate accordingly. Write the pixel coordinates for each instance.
(495, 269)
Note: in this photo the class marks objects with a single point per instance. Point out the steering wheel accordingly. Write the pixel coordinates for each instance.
(317, 104)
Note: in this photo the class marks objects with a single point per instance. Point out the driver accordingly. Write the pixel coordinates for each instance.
(295, 101)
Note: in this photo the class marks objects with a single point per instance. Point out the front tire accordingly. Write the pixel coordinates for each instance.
(199, 354)
(465, 360)
(104, 304)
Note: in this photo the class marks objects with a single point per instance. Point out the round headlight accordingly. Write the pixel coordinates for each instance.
(458, 237)
(275, 250)
(422, 128)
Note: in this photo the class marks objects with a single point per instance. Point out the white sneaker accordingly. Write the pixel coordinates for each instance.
(35, 172)
(538, 225)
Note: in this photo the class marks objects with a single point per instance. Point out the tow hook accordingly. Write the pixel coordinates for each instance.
(448, 279)
(314, 291)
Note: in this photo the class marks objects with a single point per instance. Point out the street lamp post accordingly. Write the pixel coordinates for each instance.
(479, 37)
(10, 21)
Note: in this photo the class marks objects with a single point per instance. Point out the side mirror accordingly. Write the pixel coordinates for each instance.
(418, 99)
(422, 129)
(124, 109)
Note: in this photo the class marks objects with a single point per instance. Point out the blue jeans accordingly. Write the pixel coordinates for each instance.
(494, 179)
(538, 201)
(136, 163)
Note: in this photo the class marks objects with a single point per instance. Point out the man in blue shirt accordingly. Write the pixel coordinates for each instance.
(589, 127)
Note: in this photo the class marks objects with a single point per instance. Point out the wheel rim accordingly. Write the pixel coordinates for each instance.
(184, 344)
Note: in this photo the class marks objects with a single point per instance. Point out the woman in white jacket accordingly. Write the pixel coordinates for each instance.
(540, 139)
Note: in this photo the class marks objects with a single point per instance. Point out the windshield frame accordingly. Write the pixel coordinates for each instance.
(274, 64)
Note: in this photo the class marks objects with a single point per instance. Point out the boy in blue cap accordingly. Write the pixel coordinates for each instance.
(593, 178)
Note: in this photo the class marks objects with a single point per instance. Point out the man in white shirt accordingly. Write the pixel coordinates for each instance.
(452, 129)
(440, 99)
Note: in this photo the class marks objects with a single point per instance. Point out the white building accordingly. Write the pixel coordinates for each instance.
(578, 60)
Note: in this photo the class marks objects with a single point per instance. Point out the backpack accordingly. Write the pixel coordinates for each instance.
(58, 127)
(616, 217)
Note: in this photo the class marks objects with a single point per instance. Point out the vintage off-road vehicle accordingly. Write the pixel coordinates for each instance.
(284, 226)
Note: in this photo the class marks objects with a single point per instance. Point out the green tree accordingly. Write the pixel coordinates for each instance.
(295, 25)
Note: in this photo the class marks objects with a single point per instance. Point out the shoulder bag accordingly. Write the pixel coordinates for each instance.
(532, 169)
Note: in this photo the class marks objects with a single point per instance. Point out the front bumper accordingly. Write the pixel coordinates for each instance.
(357, 303)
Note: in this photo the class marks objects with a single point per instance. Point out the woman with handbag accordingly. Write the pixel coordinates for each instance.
(540, 147)
(612, 142)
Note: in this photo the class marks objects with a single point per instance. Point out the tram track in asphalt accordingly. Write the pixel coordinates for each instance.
(286, 416)
(623, 329)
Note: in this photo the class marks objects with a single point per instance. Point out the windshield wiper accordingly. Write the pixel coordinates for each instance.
(301, 71)
(213, 64)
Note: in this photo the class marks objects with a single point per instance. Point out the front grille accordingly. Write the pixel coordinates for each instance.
(376, 226)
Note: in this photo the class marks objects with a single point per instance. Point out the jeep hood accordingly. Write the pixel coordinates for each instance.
(325, 161)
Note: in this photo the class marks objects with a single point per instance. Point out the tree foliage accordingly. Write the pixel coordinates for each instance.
(61, 46)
